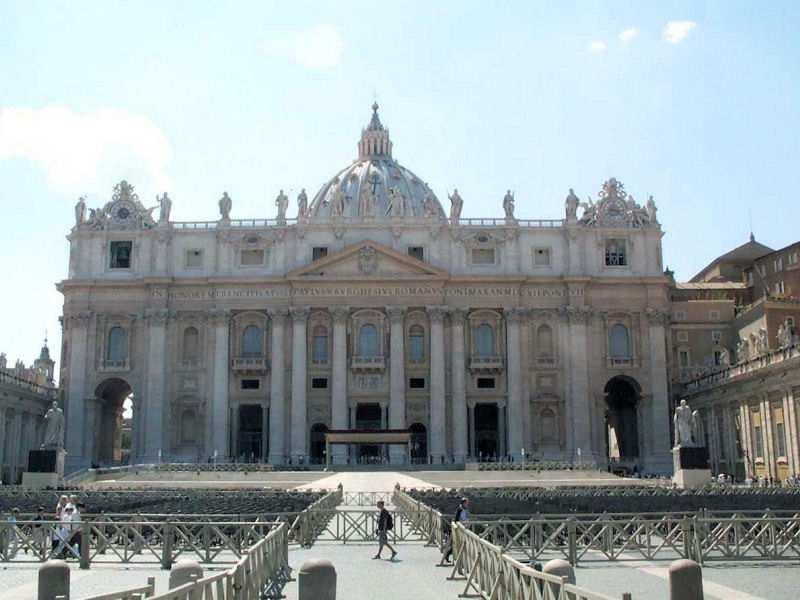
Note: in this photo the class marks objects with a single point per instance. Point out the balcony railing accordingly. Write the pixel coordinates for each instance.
(115, 365)
(250, 363)
(368, 363)
(486, 364)
(620, 362)
(189, 363)
(9, 379)
(462, 222)
(546, 361)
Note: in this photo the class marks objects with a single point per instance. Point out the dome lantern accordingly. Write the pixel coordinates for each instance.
(375, 142)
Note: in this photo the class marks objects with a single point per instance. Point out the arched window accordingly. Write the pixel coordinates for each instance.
(544, 340)
(251, 341)
(188, 426)
(484, 340)
(619, 341)
(191, 343)
(547, 420)
(368, 340)
(117, 344)
(319, 345)
(416, 343)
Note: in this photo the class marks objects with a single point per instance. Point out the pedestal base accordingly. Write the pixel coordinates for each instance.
(47, 460)
(690, 479)
(38, 481)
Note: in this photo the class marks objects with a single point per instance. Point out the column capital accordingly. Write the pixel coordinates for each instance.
(157, 316)
(458, 314)
(577, 315)
(544, 314)
(299, 313)
(516, 316)
(340, 314)
(79, 319)
(278, 313)
(436, 313)
(656, 316)
(396, 313)
(219, 316)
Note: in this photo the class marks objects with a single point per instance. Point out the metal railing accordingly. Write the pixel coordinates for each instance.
(366, 498)
(494, 575)
(308, 525)
(261, 572)
(428, 522)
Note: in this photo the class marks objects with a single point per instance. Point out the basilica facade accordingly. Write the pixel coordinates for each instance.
(372, 309)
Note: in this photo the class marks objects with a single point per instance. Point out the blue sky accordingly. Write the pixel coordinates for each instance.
(692, 102)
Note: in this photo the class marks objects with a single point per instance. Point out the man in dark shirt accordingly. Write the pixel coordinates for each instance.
(385, 524)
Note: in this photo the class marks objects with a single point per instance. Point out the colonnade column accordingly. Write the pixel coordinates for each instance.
(792, 442)
(397, 379)
(77, 335)
(3, 434)
(438, 445)
(659, 444)
(340, 419)
(514, 317)
(219, 402)
(579, 383)
(156, 320)
(459, 388)
(299, 383)
(277, 388)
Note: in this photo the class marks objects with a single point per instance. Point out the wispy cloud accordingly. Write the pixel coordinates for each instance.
(84, 152)
(597, 46)
(628, 34)
(319, 47)
(676, 31)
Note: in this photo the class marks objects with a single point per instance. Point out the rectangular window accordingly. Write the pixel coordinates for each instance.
(683, 357)
(318, 252)
(483, 256)
(485, 383)
(683, 336)
(615, 253)
(778, 264)
(780, 442)
(120, 255)
(194, 259)
(713, 315)
(793, 258)
(252, 258)
(716, 337)
(749, 278)
(759, 449)
(319, 383)
(417, 252)
(416, 383)
(251, 384)
(680, 315)
(541, 257)
(717, 358)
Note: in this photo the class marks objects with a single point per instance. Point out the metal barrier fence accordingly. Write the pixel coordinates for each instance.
(350, 526)
(261, 572)
(313, 520)
(427, 522)
(494, 575)
(366, 498)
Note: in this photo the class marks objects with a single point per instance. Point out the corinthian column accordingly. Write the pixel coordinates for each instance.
(514, 318)
(438, 449)
(459, 389)
(77, 334)
(219, 319)
(397, 378)
(578, 378)
(155, 385)
(339, 416)
(277, 388)
(299, 408)
(658, 445)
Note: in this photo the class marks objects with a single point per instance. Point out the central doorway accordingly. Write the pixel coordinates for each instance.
(251, 428)
(114, 444)
(487, 439)
(622, 432)
(368, 417)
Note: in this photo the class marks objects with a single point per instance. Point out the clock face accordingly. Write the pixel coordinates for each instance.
(123, 213)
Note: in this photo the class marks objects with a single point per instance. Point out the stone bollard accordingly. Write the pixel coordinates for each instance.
(560, 568)
(316, 580)
(53, 580)
(685, 580)
(183, 572)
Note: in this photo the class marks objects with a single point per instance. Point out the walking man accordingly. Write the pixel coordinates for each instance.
(385, 525)
(461, 516)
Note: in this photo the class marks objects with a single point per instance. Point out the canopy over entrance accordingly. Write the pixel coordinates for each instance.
(372, 437)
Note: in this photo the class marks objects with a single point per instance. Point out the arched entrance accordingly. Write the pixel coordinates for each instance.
(419, 444)
(621, 422)
(251, 428)
(317, 443)
(115, 419)
(487, 439)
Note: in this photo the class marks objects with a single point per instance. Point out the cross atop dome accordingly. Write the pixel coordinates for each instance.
(375, 142)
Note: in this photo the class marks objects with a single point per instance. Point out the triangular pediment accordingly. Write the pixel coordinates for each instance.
(368, 259)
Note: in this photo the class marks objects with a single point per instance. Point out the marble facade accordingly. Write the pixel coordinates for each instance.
(247, 338)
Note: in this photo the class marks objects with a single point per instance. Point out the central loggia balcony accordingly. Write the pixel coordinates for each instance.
(118, 366)
(367, 363)
(486, 364)
(250, 363)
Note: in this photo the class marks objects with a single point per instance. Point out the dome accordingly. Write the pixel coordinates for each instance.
(375, 186)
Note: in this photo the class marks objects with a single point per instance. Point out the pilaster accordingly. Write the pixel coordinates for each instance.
(459, 390)
(220, 417)
(658, 447)
(397, 378)
(299, 433)
(339, 410)
(77, 334)
(277, 388)
(514, 318)
(438, 444)
(155, 386)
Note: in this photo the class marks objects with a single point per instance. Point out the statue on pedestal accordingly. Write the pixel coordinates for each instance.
(508, 205)
(54, 429)
(282, 202)
(80, 212)
(456, 204)
(225, 205)
(683, 425)
(571, 203)
(302, 204)
(165, 207)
